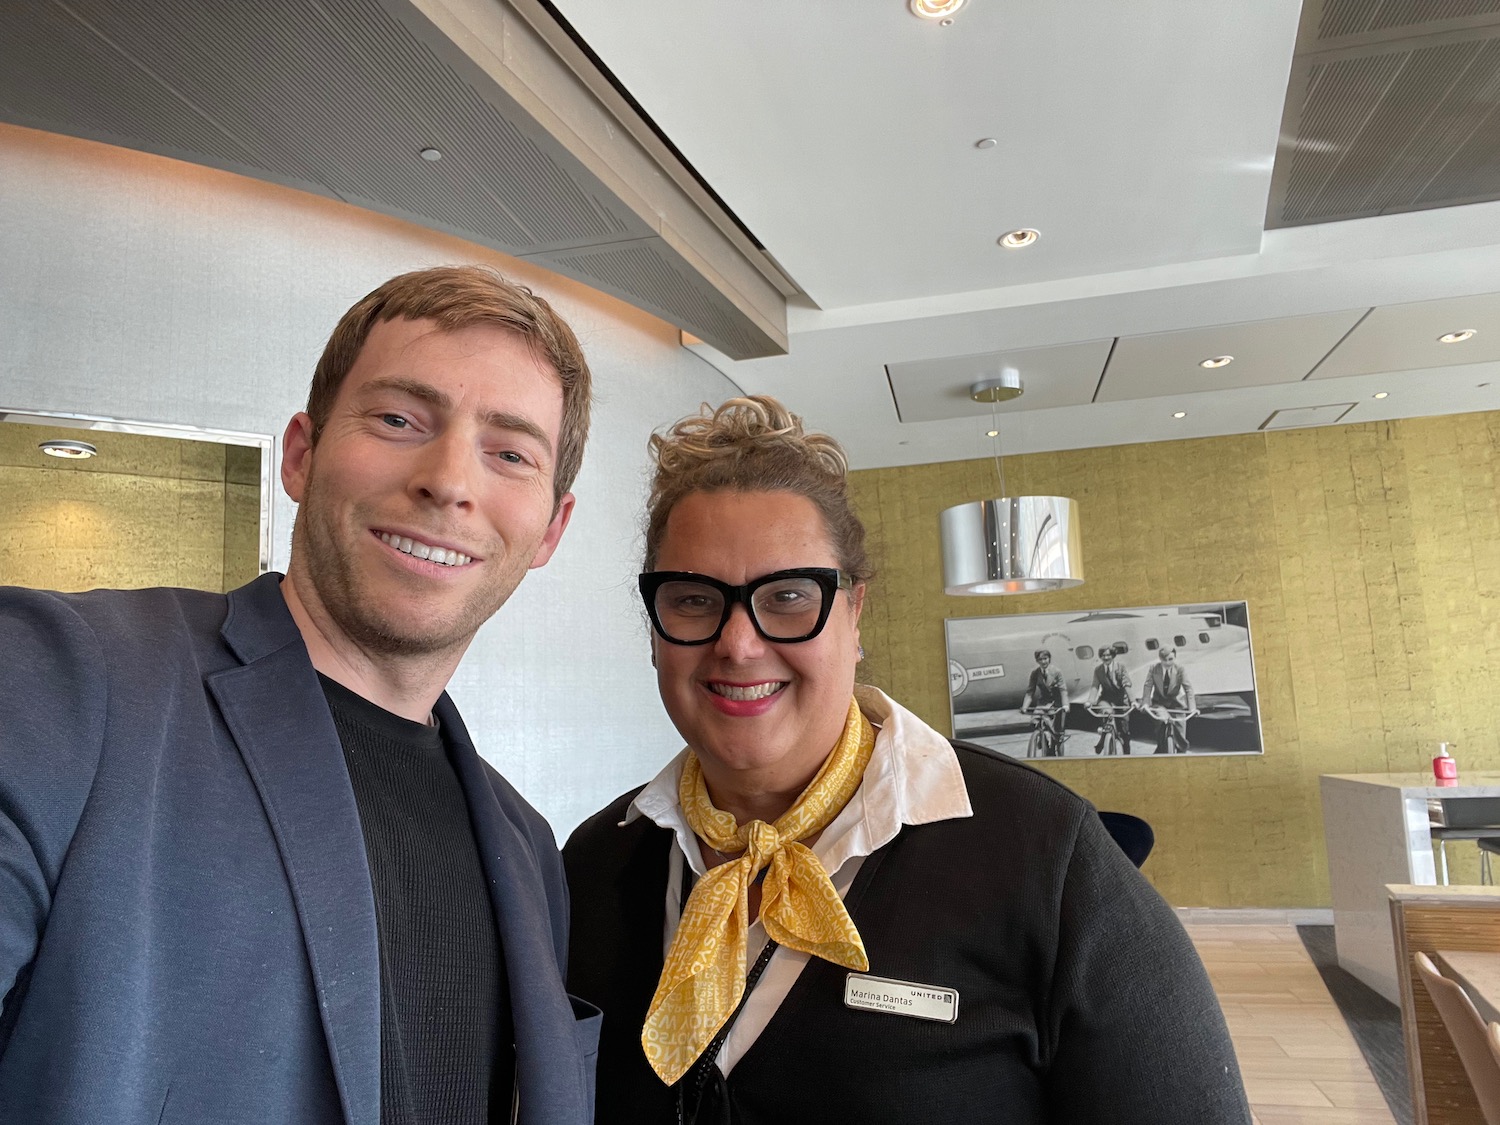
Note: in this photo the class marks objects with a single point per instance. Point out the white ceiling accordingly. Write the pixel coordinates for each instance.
(1138, 138)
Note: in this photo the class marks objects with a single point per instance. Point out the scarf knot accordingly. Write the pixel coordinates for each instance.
(761, 843)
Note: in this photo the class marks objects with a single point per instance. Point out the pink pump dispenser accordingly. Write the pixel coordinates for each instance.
(1444, 768)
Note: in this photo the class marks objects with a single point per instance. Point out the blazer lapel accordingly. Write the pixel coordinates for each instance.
(549, 1069)
(279, 718)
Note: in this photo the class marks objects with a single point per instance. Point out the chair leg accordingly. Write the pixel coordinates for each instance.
(1442, 863)
(1485, 878)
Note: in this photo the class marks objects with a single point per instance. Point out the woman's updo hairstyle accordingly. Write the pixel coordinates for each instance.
(755, 445)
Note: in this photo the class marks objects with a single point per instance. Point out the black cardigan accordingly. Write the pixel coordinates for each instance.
(1081, 998)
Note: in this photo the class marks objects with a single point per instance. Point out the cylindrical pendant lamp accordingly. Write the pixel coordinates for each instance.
(1012, 545)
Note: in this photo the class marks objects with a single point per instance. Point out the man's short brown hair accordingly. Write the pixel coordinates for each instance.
(458, 297)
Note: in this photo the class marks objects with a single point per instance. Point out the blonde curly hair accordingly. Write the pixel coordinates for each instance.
(755, 444)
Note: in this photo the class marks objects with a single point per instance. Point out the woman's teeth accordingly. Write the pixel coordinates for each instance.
(745, 694)
(418, 549)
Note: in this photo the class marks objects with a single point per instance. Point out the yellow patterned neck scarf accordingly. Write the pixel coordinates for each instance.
(704, 975)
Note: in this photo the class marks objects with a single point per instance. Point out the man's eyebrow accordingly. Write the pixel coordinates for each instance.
(504, 420)
(494, 419)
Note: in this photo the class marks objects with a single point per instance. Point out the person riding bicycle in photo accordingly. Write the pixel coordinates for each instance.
(1168, 695)
(1112, 689)
(1045, 689)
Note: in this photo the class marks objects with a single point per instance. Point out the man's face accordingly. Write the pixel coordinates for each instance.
(428, 494)
(1107, 655)
(1168, 655)
(1042, 661)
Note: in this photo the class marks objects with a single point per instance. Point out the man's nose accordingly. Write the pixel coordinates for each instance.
(444, 471)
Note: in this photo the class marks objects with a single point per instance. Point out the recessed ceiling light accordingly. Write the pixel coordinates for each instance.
(934, 9)
(75, 450)
(1179, 414)
(991, 433)
(1382, 394)
(431, 154)
(1216, 361)
(986, 142)
(1024, 236)
(1458, 337)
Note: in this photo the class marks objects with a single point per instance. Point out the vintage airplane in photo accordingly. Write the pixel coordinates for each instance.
(991, 659)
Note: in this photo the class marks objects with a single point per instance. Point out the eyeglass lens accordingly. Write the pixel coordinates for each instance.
(786, 608)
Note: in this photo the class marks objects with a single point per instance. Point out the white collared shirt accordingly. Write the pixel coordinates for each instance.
(913, 778)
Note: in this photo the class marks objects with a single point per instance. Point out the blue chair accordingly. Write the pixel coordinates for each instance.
(1132, 833)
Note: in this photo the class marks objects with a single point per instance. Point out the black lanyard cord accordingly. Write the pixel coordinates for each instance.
(698, 1074)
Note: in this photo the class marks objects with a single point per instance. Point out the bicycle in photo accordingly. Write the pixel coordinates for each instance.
(1168, 741)
(1114, 726)
(1045, 741)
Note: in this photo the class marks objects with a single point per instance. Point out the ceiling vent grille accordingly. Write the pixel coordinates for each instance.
(340, 98)
(1342, 18)
(1391, 107)
(658, 285)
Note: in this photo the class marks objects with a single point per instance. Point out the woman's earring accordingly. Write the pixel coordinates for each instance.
(861, 651)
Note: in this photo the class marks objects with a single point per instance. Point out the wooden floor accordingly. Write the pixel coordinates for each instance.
(1301, 1065)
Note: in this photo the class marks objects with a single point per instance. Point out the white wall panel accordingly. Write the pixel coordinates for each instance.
(145, 289)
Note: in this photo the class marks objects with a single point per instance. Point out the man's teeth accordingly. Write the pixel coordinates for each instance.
(745, 694)
(418, 549)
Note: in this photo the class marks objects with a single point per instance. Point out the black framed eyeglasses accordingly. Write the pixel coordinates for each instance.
(785, 606)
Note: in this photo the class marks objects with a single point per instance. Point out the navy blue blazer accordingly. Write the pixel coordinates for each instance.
(187, 930)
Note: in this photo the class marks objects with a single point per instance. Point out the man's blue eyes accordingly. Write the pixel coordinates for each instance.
(397, 422)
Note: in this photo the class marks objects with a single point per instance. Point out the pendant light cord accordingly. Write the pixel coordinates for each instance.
(995, 427)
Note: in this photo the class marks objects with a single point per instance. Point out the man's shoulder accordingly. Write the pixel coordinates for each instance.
(518, 808)
(154, 613)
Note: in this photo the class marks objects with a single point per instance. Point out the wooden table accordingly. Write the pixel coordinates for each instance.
(1479, 976)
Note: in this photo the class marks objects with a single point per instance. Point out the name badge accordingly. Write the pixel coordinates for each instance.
(900, 998)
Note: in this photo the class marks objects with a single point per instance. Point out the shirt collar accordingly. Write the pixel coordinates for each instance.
(913, 778)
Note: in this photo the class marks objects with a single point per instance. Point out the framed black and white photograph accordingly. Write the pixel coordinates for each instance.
(1143, 681)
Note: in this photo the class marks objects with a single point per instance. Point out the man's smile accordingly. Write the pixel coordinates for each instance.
(443, 556)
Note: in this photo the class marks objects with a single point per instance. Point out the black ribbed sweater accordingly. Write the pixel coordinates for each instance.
(445, 1023)
(1081, 999)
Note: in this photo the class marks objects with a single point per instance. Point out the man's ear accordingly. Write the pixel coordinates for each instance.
(554, 531)
(296, 455)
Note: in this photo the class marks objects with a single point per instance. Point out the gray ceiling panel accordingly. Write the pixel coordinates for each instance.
(1405, 338)
(1265, 352)
(927, 390)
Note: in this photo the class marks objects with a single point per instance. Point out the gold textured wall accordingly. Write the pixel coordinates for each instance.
(1370, 559)
(148, 511)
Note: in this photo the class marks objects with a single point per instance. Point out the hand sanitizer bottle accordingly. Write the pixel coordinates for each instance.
(1444, 768)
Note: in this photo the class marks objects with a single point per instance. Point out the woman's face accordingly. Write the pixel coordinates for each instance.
(798, 694)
